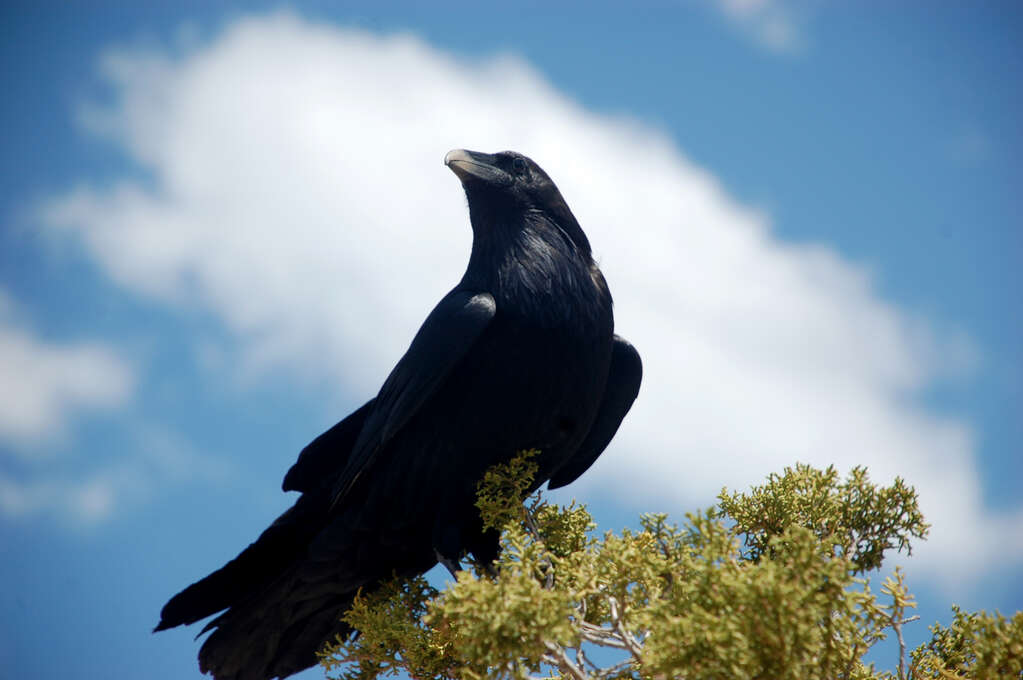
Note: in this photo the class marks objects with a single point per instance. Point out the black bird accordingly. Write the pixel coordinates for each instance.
(521, 354)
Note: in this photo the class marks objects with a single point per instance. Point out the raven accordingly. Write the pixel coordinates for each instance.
(521, 354)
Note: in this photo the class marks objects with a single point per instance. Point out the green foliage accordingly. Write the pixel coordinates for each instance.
(854, 518)
(393, 636)
(983, 646)
(499, 495)
(768, 584)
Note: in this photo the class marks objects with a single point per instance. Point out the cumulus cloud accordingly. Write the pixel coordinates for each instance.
(294, 189)
(46, 384)
(157, 457)
(84, 502)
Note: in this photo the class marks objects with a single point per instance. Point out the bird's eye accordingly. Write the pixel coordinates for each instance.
(519, 165)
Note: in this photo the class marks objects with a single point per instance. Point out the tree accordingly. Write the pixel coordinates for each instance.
(767, 584)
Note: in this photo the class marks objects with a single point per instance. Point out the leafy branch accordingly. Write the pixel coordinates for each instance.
(769, 583)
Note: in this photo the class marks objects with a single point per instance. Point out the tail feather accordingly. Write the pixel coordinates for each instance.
(274, 551)
(283, 597)
(274, 635)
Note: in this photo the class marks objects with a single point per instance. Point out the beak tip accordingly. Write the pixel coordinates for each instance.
(455, 155)
(474, 167)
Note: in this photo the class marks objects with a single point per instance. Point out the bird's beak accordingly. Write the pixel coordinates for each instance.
(473, 166)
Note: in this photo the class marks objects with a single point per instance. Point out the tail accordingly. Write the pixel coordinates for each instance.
(279, 546)
(273, 635)
(275, 620)
(283, 597)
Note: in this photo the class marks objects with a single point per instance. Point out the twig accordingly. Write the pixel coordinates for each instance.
(612, 642)
(531, 524)
(630, 642)
(535, 531)
(897, 625)
(618, 667)
(561, 660)
(582, 661)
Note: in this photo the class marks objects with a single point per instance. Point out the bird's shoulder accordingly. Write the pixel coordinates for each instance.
(448, 334)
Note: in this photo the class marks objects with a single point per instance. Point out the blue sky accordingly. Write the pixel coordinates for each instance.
(222, 225)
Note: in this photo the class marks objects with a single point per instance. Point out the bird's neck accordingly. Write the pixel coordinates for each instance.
(530, 265)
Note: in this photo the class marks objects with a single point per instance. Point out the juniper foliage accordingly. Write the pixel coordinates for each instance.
(767, 584)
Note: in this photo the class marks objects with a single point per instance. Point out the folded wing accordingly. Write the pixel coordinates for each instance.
(623, 381)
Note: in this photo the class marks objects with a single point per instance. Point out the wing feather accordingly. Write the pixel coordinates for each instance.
(444, 338)
(621, 389)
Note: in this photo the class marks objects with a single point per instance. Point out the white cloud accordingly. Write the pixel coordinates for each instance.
(297, 193)
(83, 502)
(45, 387)
(46, 384)
(158, 457)
(773, 24)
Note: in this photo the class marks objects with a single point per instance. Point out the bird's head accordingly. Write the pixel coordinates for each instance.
(508, 184)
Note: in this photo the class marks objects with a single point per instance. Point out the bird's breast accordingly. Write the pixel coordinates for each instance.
(564, 294)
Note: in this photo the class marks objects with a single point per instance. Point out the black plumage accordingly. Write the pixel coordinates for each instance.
(521, 354)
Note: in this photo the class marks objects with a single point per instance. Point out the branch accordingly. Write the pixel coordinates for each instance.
(600, 636)
(897, 625)
(633, 645)
(556, 656)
